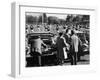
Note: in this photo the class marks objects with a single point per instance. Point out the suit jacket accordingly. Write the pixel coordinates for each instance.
(74, 43)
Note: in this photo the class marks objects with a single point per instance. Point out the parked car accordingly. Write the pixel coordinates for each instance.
(85, 42)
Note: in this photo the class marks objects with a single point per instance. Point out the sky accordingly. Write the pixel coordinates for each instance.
(60, 16)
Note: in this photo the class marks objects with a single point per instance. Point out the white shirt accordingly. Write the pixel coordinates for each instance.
(38, 43)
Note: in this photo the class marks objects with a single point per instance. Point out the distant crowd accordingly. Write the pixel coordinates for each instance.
(52, 28)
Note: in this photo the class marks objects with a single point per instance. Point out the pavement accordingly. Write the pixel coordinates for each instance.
(84, 60)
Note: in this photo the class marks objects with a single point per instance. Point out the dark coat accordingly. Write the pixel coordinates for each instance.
(68, 40)
(60, 45)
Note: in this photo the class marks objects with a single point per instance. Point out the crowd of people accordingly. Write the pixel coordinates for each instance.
(67, 46)
(64, 38)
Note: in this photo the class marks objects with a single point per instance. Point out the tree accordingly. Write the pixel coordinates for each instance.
(44, 18)
(85, 18)
(31, 19)
(62, 21)
(69, 18)
(77, 19)
(40, 19)
(53, 20)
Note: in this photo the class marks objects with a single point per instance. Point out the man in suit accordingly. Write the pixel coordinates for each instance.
(74, 47)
